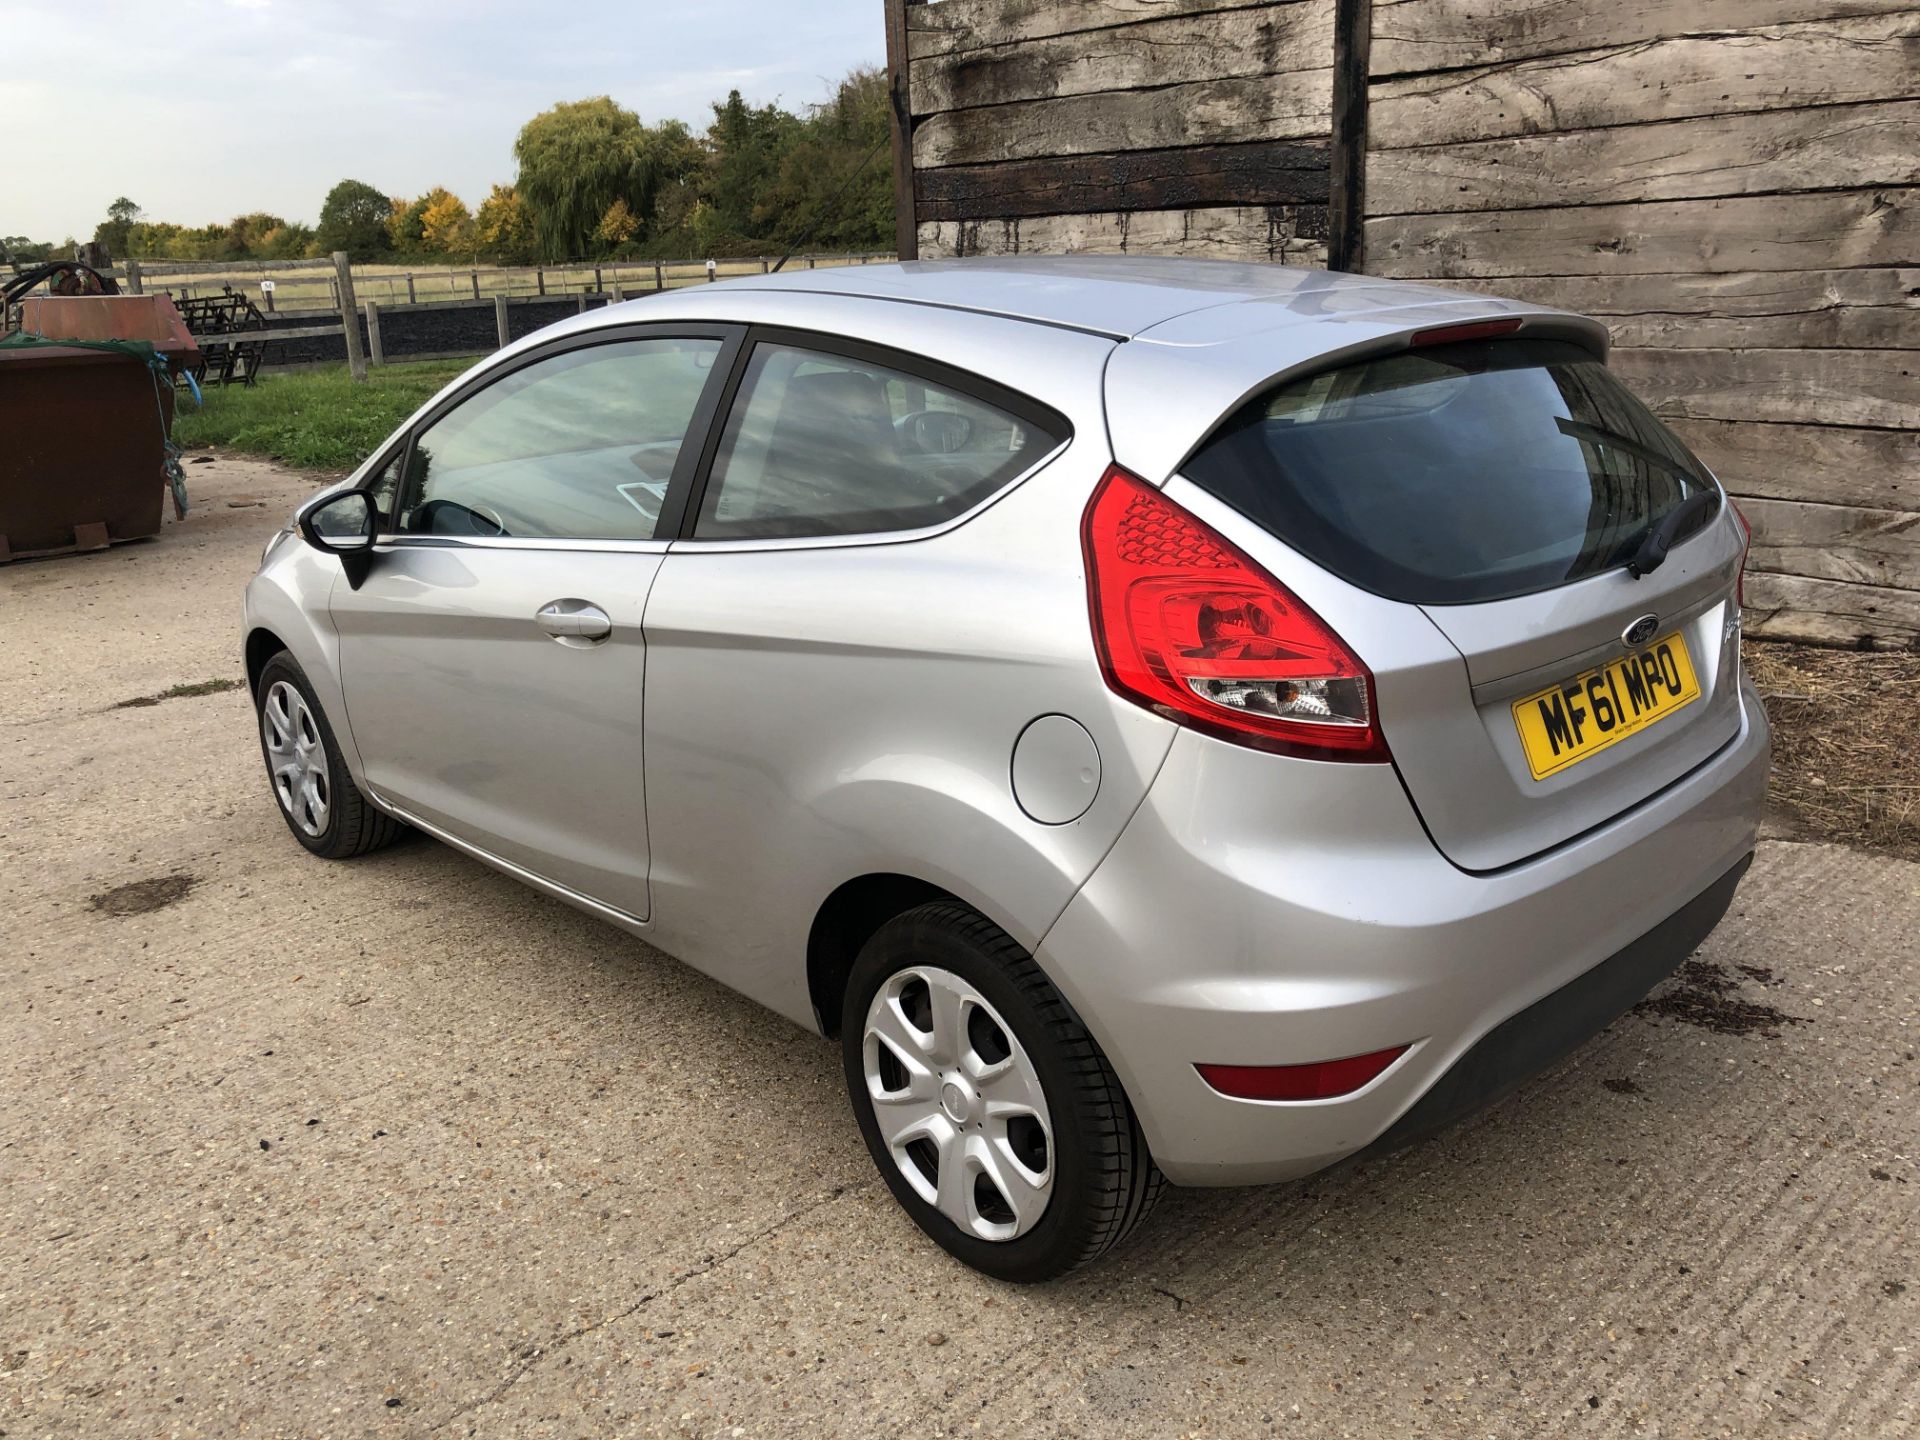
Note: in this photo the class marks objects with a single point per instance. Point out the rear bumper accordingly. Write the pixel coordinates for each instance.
(1523, 1045)
(1263, 911)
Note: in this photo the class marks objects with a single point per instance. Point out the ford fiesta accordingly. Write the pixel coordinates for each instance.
(1162, 718)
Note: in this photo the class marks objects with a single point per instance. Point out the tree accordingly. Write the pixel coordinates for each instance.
(830, 190)
(445, 225)
(575, 161)
(112, 231)
(617, 226)
(503, 230)
(353, 218)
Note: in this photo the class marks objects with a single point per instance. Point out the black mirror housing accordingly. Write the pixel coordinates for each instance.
(344, 525)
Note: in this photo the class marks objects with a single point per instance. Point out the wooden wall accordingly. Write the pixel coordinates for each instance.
(1188, 127)
(1732, 186)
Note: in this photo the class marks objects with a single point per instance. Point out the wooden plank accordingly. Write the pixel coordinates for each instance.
(1779, 67)
(1347, 194)
(1775, 309)
(1230, 233)
(1831, 612)
(1295, 105)
(899, 135)
(1263, 41)
(1201, 176)
(1775, 232)
(1835, 542)
(956, 25)
(1875, 468)
(1814, 387)
(1410, 36)
(1824, 147)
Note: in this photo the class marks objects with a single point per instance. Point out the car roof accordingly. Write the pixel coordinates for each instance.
(1119, 296)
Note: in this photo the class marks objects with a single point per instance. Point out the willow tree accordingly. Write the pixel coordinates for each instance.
(576, 161)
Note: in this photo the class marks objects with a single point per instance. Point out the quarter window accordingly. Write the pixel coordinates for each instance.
(823, 444)
(579, 446)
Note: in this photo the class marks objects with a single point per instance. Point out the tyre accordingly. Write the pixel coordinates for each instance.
(319, 801)
(992, 1114)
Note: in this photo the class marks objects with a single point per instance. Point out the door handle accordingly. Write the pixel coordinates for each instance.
(575, 620)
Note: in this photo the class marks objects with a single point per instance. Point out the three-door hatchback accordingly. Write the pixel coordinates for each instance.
(1163, 718)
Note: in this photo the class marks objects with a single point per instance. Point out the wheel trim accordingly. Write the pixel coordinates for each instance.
(932, 1088)
(296, 758)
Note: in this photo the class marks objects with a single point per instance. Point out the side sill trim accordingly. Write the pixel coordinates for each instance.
(518, 872)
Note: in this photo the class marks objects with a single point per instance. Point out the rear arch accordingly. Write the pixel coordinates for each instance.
(842, 927)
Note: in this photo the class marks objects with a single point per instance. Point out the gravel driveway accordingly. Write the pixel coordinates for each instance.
(398, 1147)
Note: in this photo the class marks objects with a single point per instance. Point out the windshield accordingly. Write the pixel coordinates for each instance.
(1460, 473)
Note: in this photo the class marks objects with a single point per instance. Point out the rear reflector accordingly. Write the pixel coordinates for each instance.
(1472, 330)
(1320, 1080)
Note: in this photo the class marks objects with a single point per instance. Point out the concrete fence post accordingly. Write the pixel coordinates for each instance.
(349, 315)
(500, 319)
(375, 352)
(474, 275)
(410, 299)
(659, 277)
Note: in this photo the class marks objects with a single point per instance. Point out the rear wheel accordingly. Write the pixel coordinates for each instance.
(319, 801)
(993, 1116)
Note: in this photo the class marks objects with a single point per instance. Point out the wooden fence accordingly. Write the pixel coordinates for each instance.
(301, 285)
(358, 296)
(1732, 185)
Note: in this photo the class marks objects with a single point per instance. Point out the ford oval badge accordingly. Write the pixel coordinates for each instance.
(1641, 630)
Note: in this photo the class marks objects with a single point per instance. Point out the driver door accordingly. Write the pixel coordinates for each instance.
(493, 659)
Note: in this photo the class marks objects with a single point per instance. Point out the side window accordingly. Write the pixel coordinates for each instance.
(821, 444)
(576, 447)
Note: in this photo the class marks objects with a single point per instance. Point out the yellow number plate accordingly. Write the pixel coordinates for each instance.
(1563, 725)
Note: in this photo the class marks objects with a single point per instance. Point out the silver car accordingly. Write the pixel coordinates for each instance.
(1164, 719)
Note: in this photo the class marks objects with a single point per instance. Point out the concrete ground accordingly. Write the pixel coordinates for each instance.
(399, 1148)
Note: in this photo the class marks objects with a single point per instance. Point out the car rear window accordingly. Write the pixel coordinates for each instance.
(1466, 472)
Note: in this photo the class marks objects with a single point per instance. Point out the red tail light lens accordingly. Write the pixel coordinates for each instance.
(1321, 1080)
(1746, 545)
(1187, 625)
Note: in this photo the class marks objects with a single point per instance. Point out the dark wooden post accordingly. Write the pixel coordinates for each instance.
(349, 315)
(410, 295)
(906, 233)
(133, 277)
(1347, 184)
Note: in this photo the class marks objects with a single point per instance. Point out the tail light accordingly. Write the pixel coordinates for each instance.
(1746, 544)
(1187, 625)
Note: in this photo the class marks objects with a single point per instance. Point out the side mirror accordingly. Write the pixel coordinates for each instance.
(344, 526)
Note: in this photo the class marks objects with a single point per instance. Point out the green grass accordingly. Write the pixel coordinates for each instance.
(315, 419)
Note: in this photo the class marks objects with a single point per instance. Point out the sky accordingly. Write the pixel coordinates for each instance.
(200, 110)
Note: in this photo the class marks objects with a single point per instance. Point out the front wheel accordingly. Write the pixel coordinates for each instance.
(319, 801)
(992, 1114)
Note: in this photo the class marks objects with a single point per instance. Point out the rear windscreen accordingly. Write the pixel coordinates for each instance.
(1459, 473)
